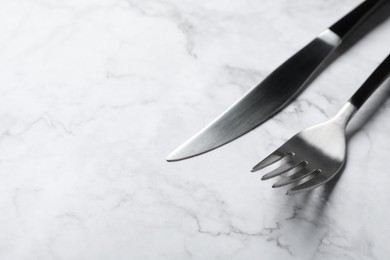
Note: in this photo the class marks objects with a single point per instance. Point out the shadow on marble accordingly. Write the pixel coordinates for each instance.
(361, 119)
(374, 104)
(313, 202)
(310, 206)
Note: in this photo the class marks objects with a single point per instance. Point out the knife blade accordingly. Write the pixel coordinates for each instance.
(276, 91)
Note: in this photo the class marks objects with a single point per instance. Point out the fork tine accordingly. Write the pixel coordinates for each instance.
(270, 159)
(278, 171)
(316, 181)
(302, 173)
(282, 169)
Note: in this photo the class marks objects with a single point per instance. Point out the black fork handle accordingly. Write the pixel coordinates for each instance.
(346, 24)
(380, 74)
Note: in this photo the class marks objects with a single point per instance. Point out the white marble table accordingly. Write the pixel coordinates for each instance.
(94, 95)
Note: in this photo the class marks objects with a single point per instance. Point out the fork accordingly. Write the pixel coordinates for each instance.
(315, 155)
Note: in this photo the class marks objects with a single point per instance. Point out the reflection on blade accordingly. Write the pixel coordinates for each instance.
(262, 102)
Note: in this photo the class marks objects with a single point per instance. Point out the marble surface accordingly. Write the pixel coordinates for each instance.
(95, 94)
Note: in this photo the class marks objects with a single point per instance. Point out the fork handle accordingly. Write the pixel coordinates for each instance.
(379, 75)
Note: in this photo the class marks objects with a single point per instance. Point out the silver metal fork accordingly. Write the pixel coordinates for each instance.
(315, 155)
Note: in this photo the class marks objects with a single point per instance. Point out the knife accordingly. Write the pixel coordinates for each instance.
(277, 90)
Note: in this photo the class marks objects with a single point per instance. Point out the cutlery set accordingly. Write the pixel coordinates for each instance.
(315, 155)
(318, 153)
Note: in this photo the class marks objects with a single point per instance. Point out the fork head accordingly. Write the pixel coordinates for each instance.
(310, 158)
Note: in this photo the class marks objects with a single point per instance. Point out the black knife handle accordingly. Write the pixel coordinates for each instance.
(379, 75)
(353, 18)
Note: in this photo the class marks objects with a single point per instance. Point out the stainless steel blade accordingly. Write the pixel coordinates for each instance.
(263, 101)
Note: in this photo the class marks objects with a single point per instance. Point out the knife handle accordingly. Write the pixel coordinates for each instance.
(381, 73)
(343, 26)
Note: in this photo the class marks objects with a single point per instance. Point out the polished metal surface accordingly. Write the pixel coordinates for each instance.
(259, 104)
(318, 152)
(315, 155)
(330, 37)
(275, 92)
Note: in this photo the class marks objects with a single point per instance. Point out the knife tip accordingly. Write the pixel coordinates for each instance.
(180, 154)
(170, 158)
(173, 157)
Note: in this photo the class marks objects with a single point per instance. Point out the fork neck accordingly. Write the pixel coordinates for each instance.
(345, 114)
(380, 74)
